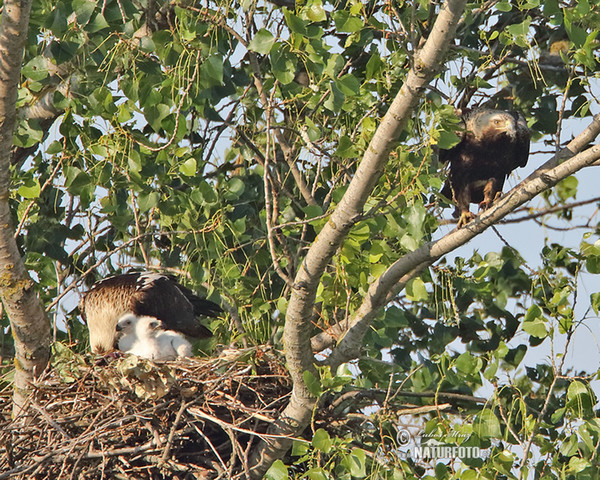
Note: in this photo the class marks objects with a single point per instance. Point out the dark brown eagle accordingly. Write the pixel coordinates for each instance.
(493, 144)
(142, 294)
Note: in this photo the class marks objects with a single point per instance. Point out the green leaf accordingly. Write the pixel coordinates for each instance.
(83, 10)
(503, 6)
(236, 186)
(317, 474)
(96, 24)
(30, 189)
(283, 63)
(356, 463)
(313, 211)
(416, 290)
(346, 148)
(212, 71)
(578, 465)
(595, 302)
(534, 323)
(467, 363)
(277, 471)
(36, 69)
(348, 85)
(448, 140)
(487, 425)
(189, 167)
(375, 66)
(569, 447)
(296, 24)
(312, 383)
(148, 201)
(262, 42)
(322, 441)
(580, 399)
(299, 448)
(592, 265)
(314, 11)
(347, 23)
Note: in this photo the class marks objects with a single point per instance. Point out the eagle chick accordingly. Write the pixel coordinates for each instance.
(144, 337)
(493, 144)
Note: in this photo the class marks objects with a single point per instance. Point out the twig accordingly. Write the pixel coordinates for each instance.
(169, 444)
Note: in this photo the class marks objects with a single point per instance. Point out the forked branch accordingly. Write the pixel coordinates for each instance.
(427, 62)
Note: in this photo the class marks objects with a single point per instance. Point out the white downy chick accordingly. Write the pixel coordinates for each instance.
(144, 337)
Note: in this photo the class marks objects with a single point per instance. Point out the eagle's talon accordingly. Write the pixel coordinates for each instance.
(465, 217)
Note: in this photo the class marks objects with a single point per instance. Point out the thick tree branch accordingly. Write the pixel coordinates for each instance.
(29, 325)
(300, 359)
(394, 279)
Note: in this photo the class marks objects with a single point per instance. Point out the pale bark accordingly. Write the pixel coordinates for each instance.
(394, 279)
(29, 325)
(428, 61)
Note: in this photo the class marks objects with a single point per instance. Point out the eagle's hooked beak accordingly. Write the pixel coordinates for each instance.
(509, 126)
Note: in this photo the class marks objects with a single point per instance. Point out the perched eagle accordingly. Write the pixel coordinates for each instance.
(142, 294)
(493, 144)
(144, 336)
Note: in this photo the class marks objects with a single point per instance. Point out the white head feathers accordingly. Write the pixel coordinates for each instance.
(144, 336)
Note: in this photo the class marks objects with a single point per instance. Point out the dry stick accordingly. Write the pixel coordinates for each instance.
(424, 409)
(536, 425)
(225, 426)
(169, 444)
(212, 447)
(49, 419)
(23, 470)
(378, 393)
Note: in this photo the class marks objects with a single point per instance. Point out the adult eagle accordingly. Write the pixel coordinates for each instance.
(493, 144)
(142, 294)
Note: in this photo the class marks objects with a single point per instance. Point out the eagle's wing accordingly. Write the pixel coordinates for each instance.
(522, 141)
(201, 306)
(161, 297)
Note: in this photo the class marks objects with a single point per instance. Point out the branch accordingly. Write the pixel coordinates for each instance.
(394, 279)
(29, 325)
(300, 359)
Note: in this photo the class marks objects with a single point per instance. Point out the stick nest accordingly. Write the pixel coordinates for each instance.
(132, 418)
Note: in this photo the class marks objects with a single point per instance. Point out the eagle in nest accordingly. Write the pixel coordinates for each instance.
(143, 294)
(145, 337)
(493, 144)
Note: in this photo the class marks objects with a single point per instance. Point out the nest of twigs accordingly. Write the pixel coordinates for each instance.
(132, 418)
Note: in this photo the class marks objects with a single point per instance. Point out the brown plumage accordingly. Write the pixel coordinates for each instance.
(493, 144)
(143, 294)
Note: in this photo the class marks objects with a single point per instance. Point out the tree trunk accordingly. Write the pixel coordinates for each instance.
(29, 325)
(300, 359)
